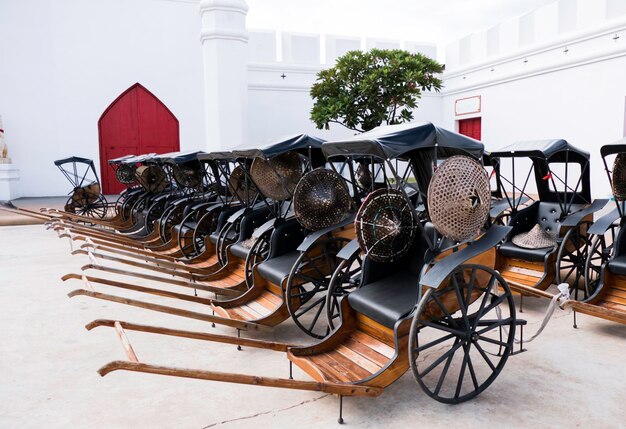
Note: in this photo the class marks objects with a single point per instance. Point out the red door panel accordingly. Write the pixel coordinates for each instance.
(471, 127)
(135, 123)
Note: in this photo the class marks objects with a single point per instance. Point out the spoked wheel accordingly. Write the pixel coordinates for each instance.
(462, 334)
(154, 213)
(502, 219)
(124, 202)
(599, 253)
(258, 253)
(307, 285)
(225, 239)
(168, 220)
(346, 278)
(206, 225)
(93, 205)
(570, 262)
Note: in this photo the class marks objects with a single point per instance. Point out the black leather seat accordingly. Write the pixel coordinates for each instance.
(277, 269)
(239, 250)
(387, 300)
(548, 216)
(513, 251)
(617, 265)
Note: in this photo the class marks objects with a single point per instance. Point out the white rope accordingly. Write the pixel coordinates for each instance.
(557, 299)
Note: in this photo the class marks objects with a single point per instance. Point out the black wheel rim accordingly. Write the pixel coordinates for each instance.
(307, 284)
(258, 253)
(572, 255)
(462, 334)
(599, 253)
(346, 278)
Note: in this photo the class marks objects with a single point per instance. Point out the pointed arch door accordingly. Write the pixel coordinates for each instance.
(136, 122)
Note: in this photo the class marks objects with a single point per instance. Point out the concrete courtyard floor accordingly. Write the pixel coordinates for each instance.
(48, 361)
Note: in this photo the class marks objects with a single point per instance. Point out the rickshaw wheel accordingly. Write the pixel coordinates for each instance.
(572, 255)
(307, 284)
(168, 220)
(345, 279)
(223, 241)
(502, 219)
(599, 253)
(462, 334)
(127, 202)
(257, 254)
(95, 206)
(206, 225)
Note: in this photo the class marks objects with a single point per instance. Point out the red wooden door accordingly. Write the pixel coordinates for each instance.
(470, 127)
(135, 123)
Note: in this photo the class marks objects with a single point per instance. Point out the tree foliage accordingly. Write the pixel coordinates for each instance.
(366, 89)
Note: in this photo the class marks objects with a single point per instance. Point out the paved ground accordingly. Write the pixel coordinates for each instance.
(48, 363)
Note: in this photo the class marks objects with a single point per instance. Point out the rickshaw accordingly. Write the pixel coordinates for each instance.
(414, 150)
(85, 198)
(454, 292)
(605, 268)
(549, 241)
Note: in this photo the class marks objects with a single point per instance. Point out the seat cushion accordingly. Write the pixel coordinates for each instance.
(513, 251)
(277, 269)
(387, 300)
(617, 265)
(239, 250)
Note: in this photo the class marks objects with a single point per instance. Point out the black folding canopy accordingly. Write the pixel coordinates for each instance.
(301, 143)
(544, 152)
(120, 160)
(394, 141)
(420, 142)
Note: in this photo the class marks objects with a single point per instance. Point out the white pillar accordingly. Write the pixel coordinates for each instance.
(225, 56)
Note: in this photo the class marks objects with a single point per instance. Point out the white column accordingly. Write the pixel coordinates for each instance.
(225, 56)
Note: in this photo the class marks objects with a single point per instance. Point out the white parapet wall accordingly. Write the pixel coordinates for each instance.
(9, 182)
(567, 84)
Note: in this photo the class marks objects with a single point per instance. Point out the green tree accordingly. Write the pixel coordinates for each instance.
(366, 89)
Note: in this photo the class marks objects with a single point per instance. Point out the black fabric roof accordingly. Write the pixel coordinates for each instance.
(138, 158)
(184, 157)
(615, 147)
(545, 149)
(393, 141)
(73, 159)
(120, 159)
(222, 154)
(297, 142)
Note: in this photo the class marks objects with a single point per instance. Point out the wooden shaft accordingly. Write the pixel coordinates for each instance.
(528, 290)
(169, 310)
(166, 267)
(226, 339)
(327, 387)
(110, 247)
(125, 343)
(152, 291)
(215, 289)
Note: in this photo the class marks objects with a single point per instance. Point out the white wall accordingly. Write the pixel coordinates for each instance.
(280, 105)
(63, 62)
(573, 88)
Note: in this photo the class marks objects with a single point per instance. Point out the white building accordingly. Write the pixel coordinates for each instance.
(556, 71)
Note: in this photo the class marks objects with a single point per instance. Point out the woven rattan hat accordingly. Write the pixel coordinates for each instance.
(385, 225)
(459, 198)
(363, 176)
(619, 177)
(151, 178)
(188, 175)
(277, 177)
(536, 238)
(321, 199)
(125, 174)
(237, 184)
